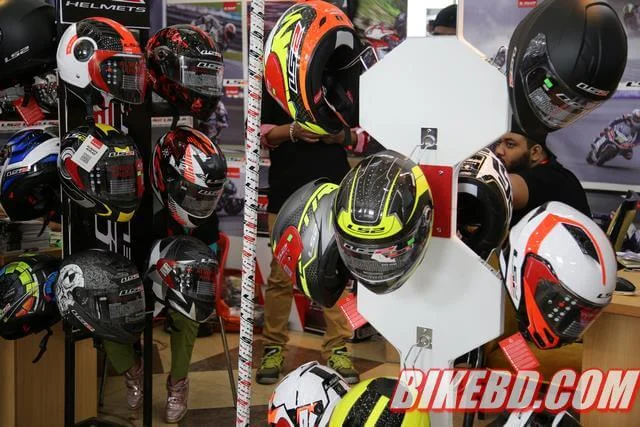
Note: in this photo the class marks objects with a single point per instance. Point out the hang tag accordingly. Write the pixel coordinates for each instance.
(31, 113)
(349, 306)
(288, 251)
(89, 153)
(518, 353)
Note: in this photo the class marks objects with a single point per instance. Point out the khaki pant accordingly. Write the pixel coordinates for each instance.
(277, 306)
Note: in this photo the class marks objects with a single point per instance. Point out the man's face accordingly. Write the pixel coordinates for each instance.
(513, 151)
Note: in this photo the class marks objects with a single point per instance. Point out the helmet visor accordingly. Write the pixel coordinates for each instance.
(119, 178)
(565, 313)
(193, 278)
(196, 200)
(120, 75)
(553, 102)
(199, 75)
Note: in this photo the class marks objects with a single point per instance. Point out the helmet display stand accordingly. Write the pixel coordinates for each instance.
(83, 230)
(446, 103)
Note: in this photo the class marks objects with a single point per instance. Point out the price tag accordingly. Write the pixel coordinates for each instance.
(518, 353)
(30, 113)
(349, 307)
(89, 153)
(288, 251)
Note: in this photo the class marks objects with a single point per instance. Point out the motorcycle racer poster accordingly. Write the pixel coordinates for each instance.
(601, 148)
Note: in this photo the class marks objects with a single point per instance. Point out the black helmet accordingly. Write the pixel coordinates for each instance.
(383, 216)
(28, 40)
(185, 67)
(112, 185)
(26, 296)
(566, 57)
(183, 270)
(101, 292)
(484, 203)
(188, 172)
(320, 272)
(29, 178)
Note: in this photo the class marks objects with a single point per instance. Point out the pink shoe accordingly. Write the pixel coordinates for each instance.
(177, 396)
(133, 381)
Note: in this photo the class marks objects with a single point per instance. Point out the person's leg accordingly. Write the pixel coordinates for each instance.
(125, 361)
(334, 348)
(275, 334)
(183, 338)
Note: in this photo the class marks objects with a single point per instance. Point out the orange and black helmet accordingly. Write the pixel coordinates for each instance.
(312, 66)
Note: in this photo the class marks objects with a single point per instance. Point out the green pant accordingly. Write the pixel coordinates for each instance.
(123, 357)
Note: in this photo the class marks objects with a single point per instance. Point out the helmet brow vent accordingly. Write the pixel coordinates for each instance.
(583, 241)
(323, 21)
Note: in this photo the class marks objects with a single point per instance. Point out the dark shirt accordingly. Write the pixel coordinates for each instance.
(552, 182)
(294, 164)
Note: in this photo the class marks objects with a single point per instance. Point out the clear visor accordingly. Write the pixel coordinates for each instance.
(565, 313)
(197, 201)
(200, 75)
(553, 102)
(124, 77)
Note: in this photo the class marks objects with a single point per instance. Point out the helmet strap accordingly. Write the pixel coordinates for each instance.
(43, 345)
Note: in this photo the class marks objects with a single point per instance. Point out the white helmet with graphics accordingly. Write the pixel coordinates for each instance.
(560, 271)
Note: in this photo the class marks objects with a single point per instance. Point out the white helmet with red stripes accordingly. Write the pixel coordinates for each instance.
(559, 269)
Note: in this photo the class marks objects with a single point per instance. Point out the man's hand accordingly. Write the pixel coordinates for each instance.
(304, 135)
(337, 138)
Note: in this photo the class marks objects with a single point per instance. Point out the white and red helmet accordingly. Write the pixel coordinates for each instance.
(559, 269)
(306, 397)
(188, 172)
(99, 53)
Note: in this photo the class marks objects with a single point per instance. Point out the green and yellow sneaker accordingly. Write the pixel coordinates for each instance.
(340, 360)
(270, 365)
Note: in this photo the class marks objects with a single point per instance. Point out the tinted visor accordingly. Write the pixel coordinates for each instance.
(118, 178)
(122, 76)
(565, 313)
(380, 266)
(193, 278)
(197, 201)
(553, 102)
(199, 75)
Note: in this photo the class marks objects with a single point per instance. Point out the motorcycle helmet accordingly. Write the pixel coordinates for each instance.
(635, 117)
(484, 203)
(101, 292)
(320, 272)
(188, 171)
(183, 270)
(185, 67)
(26, 296)
(560, 271)
(28, 40)
(230, 31)
(29, 178)
(306, 397)
(312, 66)
(367, 403)
(99, 53)
(101, 169)
(383, 215)
(565, 58)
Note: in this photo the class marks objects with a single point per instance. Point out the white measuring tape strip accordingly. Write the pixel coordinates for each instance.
(252, 150)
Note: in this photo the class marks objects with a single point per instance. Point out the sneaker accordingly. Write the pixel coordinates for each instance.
(270, 365)
(177, 396)
(340, 361)
(133, 380)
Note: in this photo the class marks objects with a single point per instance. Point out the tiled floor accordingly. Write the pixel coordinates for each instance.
(210, 397)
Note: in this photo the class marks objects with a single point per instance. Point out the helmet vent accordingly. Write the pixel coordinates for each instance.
(584, 242)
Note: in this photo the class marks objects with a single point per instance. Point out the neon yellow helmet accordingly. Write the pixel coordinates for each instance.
(383, 217)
